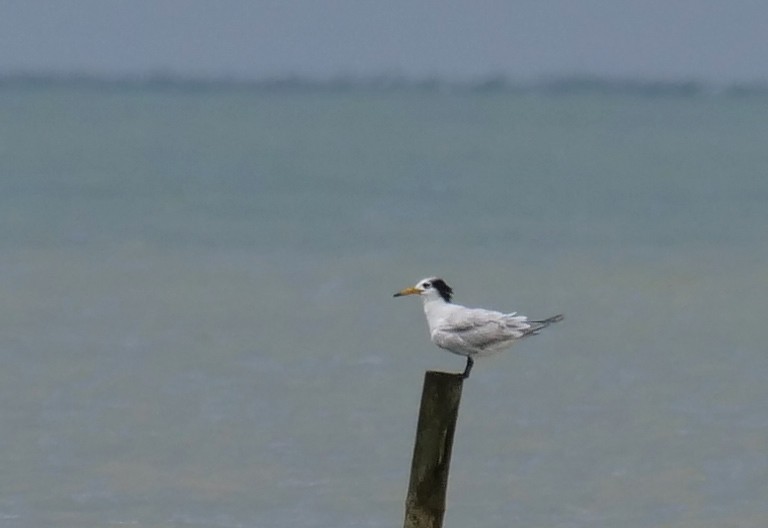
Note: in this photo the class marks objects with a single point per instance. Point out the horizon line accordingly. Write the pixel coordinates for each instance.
(567, 83)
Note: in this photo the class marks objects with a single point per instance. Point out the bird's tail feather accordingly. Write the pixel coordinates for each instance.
(537, 326)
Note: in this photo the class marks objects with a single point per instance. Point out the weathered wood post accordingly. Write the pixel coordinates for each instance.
(440, 398)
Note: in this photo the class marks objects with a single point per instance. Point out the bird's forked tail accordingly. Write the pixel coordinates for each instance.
(537, 326)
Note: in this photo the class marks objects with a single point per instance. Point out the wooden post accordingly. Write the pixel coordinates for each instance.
(440, 398)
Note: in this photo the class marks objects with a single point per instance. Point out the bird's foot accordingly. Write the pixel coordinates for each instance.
(468, 368)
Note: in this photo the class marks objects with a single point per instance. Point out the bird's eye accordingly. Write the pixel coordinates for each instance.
(427, 285)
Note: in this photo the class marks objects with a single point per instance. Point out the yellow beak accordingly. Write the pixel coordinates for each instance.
(408, 291)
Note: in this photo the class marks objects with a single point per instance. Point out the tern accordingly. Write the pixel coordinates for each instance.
(470, 332)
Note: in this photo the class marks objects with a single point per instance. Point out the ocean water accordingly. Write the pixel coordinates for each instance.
(198, 326)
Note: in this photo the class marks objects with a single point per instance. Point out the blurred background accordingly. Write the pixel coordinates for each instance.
(206, 209)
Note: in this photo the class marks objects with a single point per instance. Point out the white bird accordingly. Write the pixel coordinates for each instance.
(470, 332)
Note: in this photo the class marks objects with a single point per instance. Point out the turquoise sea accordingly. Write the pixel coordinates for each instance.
(198, 327)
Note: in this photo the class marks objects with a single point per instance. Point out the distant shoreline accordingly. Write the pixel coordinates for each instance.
(556, 85)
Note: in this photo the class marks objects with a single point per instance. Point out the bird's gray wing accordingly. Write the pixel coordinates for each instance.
(480, 329)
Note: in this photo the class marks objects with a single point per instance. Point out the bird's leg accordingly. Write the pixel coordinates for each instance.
(468, 368)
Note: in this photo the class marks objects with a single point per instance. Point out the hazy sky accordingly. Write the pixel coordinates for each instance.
(717, 40)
